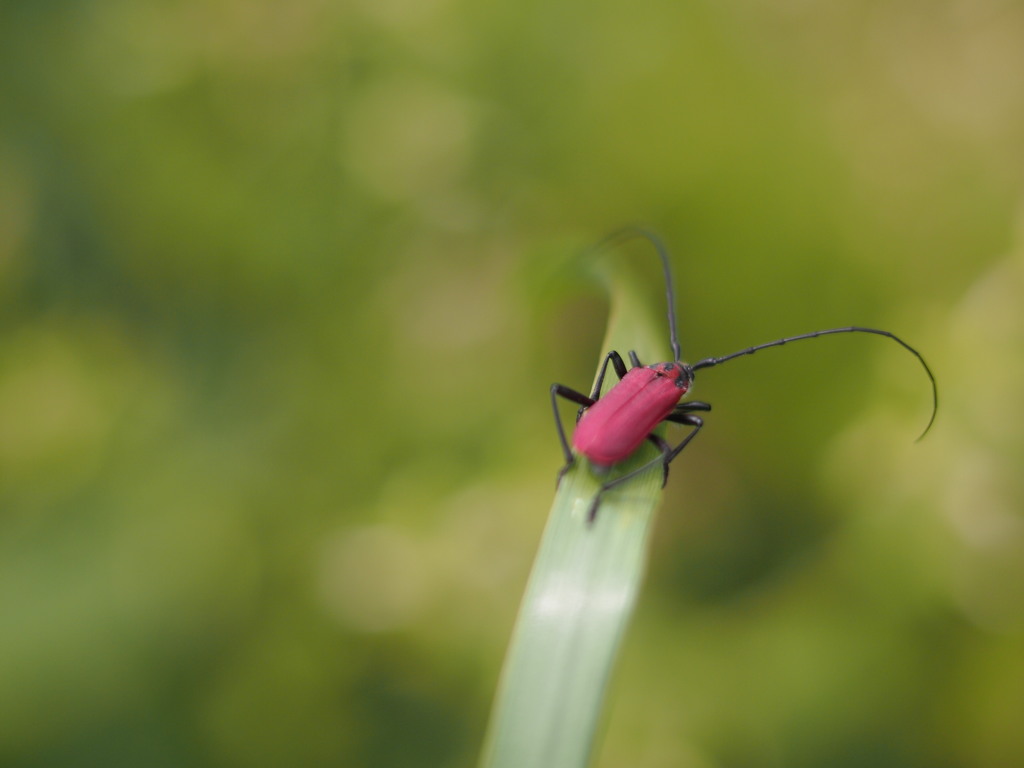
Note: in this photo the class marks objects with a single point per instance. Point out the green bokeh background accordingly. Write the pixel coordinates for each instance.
(283, 284)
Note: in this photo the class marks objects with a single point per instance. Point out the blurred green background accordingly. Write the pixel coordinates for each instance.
(283, 284)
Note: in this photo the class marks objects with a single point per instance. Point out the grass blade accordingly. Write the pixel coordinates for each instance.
(582, 589)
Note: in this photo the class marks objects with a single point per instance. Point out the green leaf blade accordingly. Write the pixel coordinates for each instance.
(582, 589)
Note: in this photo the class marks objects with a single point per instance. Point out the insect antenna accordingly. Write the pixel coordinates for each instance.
(710, 362)
(627, 233)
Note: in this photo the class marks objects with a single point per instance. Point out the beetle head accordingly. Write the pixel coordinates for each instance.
(679, 372)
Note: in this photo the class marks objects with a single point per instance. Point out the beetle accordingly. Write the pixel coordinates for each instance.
(609, 429)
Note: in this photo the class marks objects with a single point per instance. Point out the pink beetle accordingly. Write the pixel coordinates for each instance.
(610, 428)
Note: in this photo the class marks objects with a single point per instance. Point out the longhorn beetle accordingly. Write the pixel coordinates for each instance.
(610, 428)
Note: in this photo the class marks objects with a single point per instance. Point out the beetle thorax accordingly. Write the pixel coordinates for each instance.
(678, 372)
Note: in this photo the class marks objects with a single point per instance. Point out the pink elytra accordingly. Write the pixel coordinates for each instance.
(614, 426)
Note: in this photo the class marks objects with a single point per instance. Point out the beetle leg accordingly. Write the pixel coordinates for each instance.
(678, 415)
(620, 371)
(560, 390)
(665, 449)
(634, 359)
(667, 455)
(691, 421)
